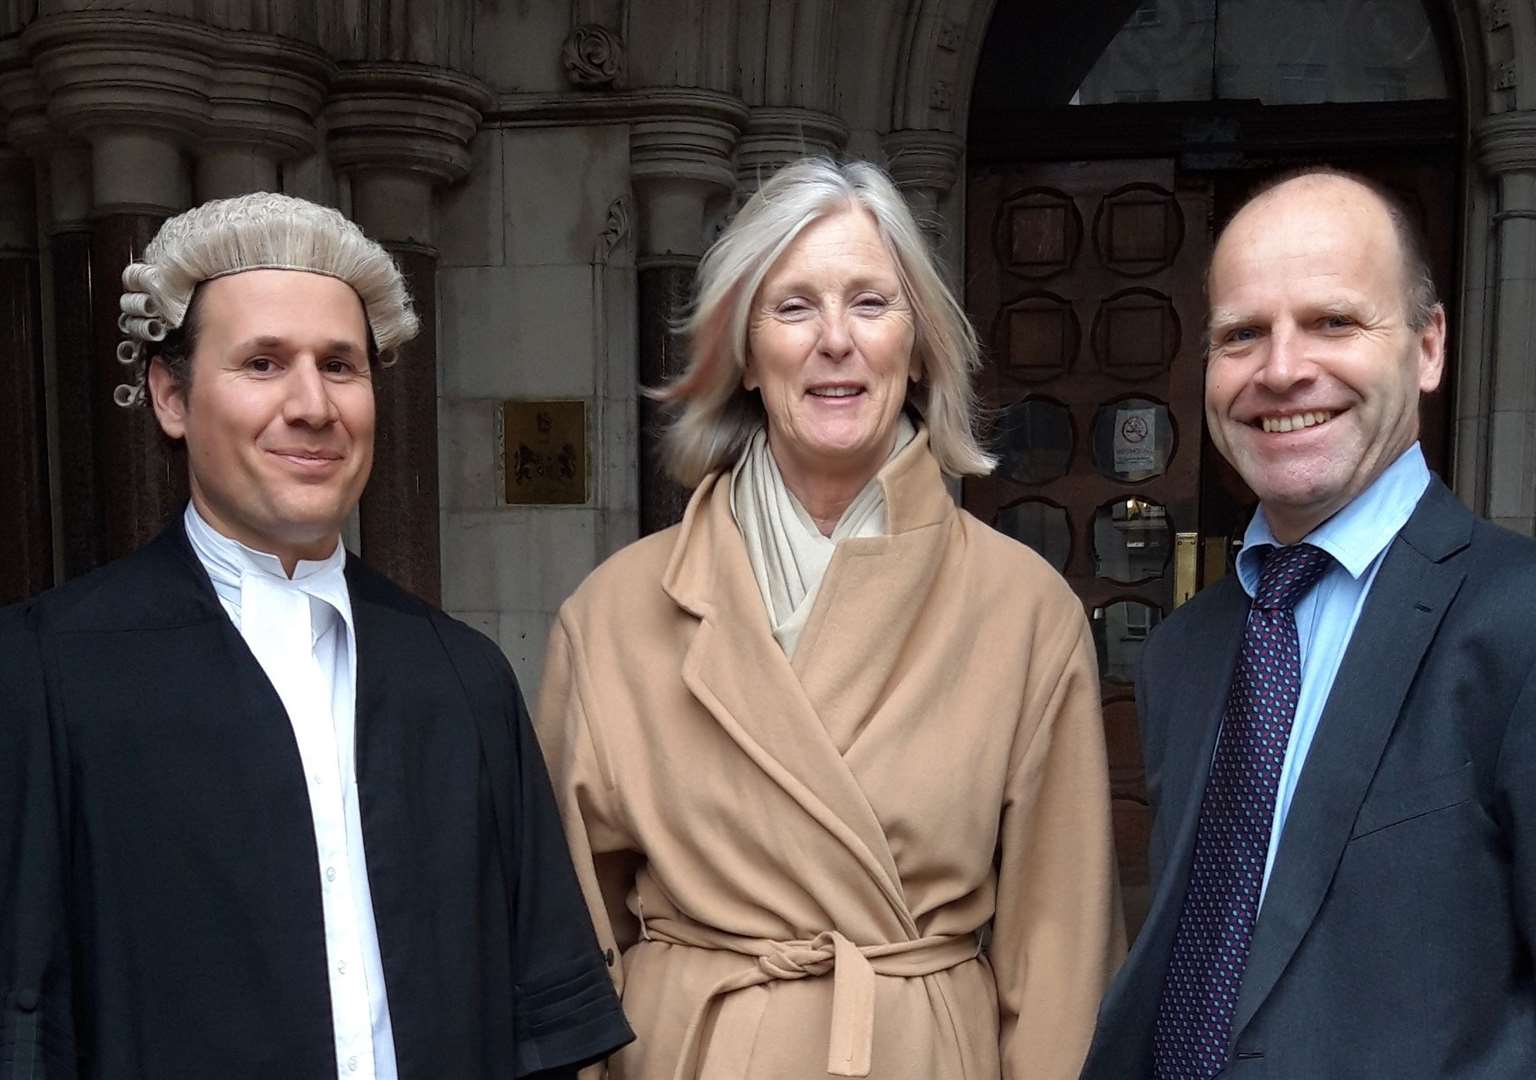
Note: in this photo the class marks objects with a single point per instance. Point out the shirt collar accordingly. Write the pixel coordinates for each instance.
(1356, 535)
(228, 561)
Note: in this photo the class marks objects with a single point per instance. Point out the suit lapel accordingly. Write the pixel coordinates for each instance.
(1416, 584)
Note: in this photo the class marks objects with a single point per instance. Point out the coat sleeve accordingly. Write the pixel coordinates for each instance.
(567, 1012)
(1058, 934)
(37, 1021)
(604, 855)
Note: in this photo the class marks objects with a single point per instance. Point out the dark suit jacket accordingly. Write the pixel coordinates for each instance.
(160, 911)
(1398, 932)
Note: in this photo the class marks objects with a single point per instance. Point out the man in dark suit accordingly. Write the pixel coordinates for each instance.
(1340, 737)
(263, 814)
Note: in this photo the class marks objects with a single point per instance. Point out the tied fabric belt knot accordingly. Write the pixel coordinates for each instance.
(853, 969)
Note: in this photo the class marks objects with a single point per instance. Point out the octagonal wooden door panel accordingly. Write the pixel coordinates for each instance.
(1085, 282)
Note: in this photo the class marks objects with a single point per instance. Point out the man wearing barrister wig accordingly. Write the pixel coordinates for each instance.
(262, 813)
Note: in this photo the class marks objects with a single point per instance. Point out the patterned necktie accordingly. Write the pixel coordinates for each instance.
(1210, 947)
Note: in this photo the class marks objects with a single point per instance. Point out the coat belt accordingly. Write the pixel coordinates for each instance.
(853, 969)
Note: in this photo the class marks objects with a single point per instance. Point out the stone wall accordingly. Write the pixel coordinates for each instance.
(536, 301)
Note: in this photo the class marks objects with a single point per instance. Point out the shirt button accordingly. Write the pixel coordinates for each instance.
(330, 873)
(352, 1064)
(342, 967)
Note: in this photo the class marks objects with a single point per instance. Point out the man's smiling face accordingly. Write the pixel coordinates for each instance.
(1313, 381)
(278, 416)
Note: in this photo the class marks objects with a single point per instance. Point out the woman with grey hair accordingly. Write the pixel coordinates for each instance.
(829, 752)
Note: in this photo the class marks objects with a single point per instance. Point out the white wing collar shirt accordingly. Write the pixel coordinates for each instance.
(301, 632)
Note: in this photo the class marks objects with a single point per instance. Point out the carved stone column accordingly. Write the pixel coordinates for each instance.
(262, 113)
(680, 160)
(135, 88)
(1503, 407)
(82, 515)
(27, 567)
(926, 166)
(63, 174)
(777, 136)
(397, 131)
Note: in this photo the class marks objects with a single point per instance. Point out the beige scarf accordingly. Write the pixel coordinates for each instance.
(789, 554)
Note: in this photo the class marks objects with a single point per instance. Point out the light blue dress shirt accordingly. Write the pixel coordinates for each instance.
(1357, 537)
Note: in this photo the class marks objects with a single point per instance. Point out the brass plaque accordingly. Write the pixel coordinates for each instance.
(1186, 550)
(544, 452)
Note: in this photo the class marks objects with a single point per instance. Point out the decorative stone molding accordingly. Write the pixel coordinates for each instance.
(107, 72)
(593, 57)
(26, 127)
(575, 108)
(139, 86)
(951, 35)
(930, 65)
(1506, 142)
(268, 94)
(680, 157)
(686, 135)
(428, 33)
(23, 102)
(404, 117)
(924, 164)
(616, 230)
(776, 136)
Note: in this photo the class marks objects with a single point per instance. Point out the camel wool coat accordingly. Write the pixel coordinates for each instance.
(890, 857)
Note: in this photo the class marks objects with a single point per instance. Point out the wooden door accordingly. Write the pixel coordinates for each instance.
(1085, 282)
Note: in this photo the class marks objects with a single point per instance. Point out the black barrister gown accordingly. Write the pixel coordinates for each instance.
(160, 909)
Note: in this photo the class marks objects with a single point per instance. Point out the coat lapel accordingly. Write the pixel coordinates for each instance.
(874, 592)
(740, 675)
(1417, 582)
(738, 672)
(184, 597)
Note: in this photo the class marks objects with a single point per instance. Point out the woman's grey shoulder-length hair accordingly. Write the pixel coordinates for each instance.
(714, 415)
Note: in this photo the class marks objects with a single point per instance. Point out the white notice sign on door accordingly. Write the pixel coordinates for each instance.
(1136, 441)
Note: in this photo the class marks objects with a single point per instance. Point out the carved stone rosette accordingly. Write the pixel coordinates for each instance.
(593, 57)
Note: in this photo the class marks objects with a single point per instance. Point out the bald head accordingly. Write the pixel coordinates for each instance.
(1318, 350)
(1343, 188)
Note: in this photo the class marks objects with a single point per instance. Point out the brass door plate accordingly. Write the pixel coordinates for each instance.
(544, 452)
(1186, 552)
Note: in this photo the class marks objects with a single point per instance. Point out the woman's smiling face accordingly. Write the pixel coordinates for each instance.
(830, 349)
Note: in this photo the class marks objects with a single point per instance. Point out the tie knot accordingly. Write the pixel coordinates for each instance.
(1288, 573)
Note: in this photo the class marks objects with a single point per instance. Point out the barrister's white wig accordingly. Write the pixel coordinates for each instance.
(260, 231)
